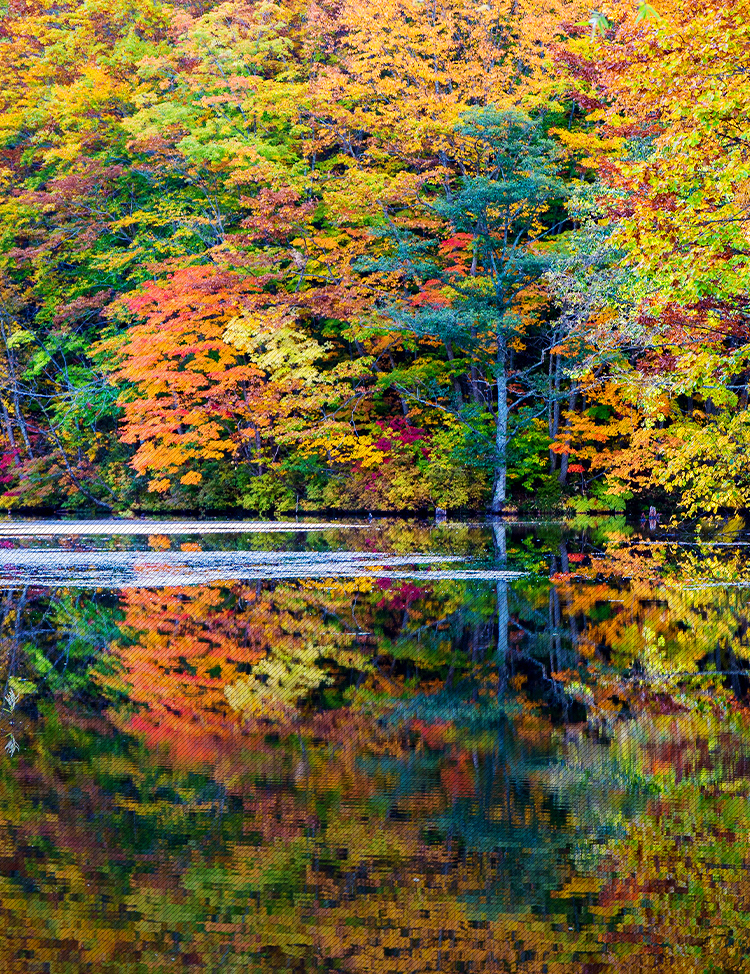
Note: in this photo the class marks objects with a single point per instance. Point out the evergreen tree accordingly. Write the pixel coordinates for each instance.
(501, 204)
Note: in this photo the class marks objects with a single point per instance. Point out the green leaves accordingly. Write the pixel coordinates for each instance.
(647, 12)
(598, 23)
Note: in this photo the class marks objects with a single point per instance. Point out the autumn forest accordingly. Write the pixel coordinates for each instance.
(393, 256)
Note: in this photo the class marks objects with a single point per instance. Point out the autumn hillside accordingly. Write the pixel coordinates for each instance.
(374, 256)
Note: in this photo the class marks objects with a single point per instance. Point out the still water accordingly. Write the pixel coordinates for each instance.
(380, 747)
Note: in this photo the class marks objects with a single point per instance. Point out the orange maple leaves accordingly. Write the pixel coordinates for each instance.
(190, 397)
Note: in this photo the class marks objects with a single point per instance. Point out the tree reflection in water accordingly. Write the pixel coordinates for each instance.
(547, 772)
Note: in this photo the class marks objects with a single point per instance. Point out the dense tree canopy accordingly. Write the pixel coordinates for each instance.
(283, 255)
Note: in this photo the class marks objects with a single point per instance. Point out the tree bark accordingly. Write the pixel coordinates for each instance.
(501, 427)
(564, 459)
(474, 371)
(14, 391)
(554, 424)
(8, 426)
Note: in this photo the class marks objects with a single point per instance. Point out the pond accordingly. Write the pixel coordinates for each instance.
(373, 747)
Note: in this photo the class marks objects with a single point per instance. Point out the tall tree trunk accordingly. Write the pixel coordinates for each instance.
(554, 419)
(8, 425)
(501, 427)
(14, 391)
(21, 421)
(474, 371)
(564, 459)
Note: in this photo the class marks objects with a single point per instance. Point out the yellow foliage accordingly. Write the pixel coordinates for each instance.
(192, 477)
(160, 486)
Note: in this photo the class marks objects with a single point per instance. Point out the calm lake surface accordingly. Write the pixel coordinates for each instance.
(383, 747)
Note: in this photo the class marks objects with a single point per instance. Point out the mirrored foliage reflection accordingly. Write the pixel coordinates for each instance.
(458, 748)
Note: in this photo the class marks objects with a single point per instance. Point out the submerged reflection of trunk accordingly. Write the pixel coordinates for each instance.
(503, 617)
